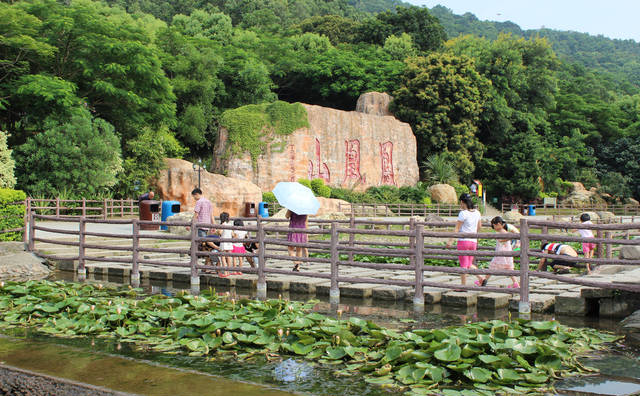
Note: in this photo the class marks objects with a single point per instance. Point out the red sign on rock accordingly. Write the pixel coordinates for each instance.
(386, 159)
(352, 161)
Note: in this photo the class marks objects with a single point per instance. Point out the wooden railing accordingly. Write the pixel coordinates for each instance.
(88, 208)
(338, 239)
(400, 209)
(571, 209)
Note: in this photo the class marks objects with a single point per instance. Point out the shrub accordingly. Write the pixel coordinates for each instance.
(305, 182)
(11, 213)
(7, 180)
(269, 197)
(426, 200)
(316, 184)
(460, 188)
(324, 191)
(348, 195)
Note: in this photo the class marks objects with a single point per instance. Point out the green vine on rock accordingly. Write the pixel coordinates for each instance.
(253, 128)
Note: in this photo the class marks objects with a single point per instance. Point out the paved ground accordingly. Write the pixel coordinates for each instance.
(545, 294)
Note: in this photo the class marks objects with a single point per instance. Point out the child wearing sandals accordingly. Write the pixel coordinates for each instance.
(238, 247)
(226, 247)
(502, 245)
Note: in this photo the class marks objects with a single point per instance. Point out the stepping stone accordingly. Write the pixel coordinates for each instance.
(323, 289)
(160, 275)
(539, 302)
(460, 299)
(493, 300)
(357, 290)
(181, 278)
(277, 284)
(433, 295)
(592, 292)
(571, 303)
(392, 293)
(247, 281)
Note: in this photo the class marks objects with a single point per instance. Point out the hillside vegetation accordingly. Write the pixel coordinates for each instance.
(100, 92)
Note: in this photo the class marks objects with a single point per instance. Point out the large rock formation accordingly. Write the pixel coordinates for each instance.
(346, 149)
(443, 193)
(374, 103)
(227, 194)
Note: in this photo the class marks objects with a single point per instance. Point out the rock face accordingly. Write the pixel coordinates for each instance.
(225, 193)
(513, 217)
(346, 149)
(443, 193)
(630, 252)
(374, 103)
(16, 264)
(332, 205)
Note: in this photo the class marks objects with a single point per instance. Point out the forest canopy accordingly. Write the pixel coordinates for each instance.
(525, 111)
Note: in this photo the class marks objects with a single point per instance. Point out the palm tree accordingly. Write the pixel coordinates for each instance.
(439, 169)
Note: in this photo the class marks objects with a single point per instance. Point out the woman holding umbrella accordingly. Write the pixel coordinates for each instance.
(297, 221)
(300, 202)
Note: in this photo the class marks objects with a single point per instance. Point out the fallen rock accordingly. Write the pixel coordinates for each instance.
(332, 205)
(578, 187)
(513, 217)
(227, 194)
(375, 103)
(593, 215)
(179, 218)
(443, 193)
(16, 264)
(431, 218)
(630, 252)
(606, 216)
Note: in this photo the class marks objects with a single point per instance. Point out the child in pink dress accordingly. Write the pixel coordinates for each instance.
(502, 245)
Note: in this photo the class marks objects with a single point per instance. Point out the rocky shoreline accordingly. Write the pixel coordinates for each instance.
(17, 264)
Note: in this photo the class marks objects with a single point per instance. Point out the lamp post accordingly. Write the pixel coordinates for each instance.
(199, 167)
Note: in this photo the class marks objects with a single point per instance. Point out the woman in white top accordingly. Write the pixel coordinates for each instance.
(238, 247)
(227, 247)
(469, 221)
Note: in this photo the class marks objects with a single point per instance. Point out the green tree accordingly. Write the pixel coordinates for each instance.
(7, 179)
(81, 157)
(100, 54)
(438, 168)
(399, 47)
(442, 97)
(425, 29)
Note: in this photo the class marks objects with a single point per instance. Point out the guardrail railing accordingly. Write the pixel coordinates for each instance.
(338, 240)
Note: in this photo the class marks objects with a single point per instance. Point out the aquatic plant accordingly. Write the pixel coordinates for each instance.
(486, 358)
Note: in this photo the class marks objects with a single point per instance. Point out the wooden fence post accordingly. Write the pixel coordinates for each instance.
(412, 240)
(57, 206)
(195, 279)
(122, 208)
(418, 298)
(135, 270)
(84, 207)
(334, 291)
(609, 248)
(600, 247)
(82, 271)
(545, 231)
(27, 210)
(104, 209)
(262, 281)
(32, 232)
(352, 237)
(524, 308)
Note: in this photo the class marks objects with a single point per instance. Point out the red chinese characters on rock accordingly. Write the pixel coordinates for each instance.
(386, 159)
(292, 162)
(352, 161)
(320, 169)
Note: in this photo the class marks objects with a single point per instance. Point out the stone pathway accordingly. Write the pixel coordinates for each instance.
(545, 295)
(16, 264)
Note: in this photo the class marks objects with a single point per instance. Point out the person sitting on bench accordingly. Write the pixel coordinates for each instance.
(558, 265)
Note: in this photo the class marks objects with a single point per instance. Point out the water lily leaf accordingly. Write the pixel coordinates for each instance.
(508, 375)
(542, 326)
(198, 345)
(336, 353)
(478, 374)
(249, 328)
(393, 353)
(536, 378)
(523, 362)
(450, 353)
(387, 380)
(525, 347)
(548, 362)
(489, 359)
(227, 338)
(301, 349)
(314, 354)
(469, 351)
(84, 308)
(358, 322)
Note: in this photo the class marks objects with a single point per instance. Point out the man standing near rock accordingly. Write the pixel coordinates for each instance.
(203, 211)
(146, 196)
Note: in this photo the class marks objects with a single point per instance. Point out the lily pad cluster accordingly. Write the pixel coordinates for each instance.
(486, 358)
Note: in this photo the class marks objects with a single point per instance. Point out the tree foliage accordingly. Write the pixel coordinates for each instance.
(7, 164)
(79, 158)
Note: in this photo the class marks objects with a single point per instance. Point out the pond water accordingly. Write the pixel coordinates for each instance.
(119, 366)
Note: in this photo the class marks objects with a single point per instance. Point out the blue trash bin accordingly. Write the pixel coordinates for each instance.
(532, 210)
(169, 208)
(263, 211)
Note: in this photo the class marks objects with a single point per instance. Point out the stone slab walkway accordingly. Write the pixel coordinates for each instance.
(545, 295)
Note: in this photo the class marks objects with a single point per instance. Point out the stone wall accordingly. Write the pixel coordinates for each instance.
(227, 194)
(346, 149)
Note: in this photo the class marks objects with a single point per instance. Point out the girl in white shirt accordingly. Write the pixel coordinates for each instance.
(469, 221)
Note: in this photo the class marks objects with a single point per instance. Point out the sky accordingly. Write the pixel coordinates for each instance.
(611, 18)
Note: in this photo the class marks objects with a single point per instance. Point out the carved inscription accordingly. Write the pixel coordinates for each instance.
(292, 162)
(352, 161)
(386, 159)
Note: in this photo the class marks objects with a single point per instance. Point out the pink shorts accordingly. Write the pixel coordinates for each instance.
(466, 261)
(239, 249)
(587, 247)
